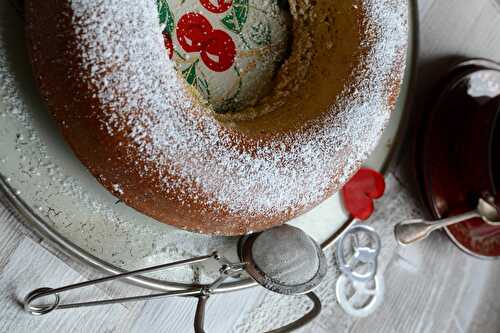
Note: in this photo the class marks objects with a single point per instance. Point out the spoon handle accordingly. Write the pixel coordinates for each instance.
(411, 231)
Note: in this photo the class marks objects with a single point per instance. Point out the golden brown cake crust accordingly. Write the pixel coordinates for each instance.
(148, 141)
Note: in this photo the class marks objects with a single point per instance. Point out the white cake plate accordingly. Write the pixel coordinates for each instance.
(59, 199)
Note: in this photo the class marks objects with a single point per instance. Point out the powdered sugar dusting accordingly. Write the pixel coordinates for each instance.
(122, 49)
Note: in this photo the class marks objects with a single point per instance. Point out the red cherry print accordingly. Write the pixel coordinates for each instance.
(195, 34)
(193, 31)
(220, 7)
(360, 190)
(219, 51)
(168, 44)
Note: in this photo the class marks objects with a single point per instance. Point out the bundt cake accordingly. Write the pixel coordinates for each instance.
(157, 142)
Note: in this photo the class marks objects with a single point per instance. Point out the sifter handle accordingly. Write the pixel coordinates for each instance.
(199, 317)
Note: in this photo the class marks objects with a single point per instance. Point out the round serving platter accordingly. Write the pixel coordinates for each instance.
(59, 199)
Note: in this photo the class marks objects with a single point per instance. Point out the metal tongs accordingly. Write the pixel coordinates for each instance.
(298, 270)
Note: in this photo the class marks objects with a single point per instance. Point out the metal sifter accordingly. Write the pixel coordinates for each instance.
(284, 260)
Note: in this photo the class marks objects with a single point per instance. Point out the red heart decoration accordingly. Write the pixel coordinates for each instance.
(360, 190)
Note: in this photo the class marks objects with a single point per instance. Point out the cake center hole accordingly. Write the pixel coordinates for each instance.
(228, 50)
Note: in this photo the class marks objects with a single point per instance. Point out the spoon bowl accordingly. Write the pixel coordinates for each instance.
(488, 212)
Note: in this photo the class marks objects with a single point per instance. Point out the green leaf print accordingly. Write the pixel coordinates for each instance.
(202, 86)
(197, 80)
(190, 73)
(167, 21)
(236, 19)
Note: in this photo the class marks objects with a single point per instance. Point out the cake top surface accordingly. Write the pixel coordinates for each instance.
(123, 56)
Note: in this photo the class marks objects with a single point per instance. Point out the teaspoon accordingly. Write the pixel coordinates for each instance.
(411, 231)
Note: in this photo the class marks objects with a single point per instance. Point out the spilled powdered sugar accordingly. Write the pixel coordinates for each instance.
(122, 48)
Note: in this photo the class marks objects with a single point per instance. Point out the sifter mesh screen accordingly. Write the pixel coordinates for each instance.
(286, 255)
